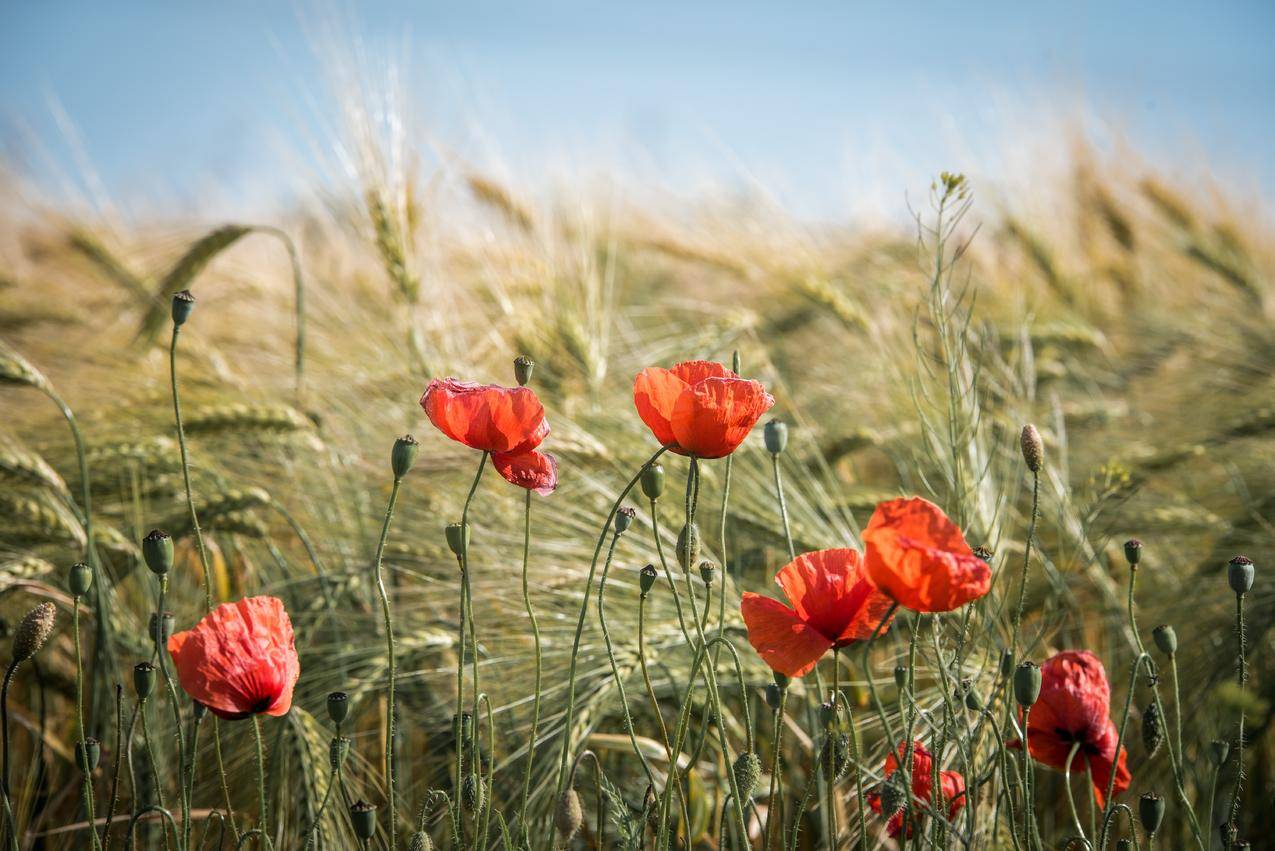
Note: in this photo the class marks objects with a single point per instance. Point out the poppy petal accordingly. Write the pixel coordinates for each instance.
(533, 470)
(655, 392)
(486, 416)
(783, 640)
(711, 419)
(917, 556)
(1101, 764)
(828, 590)
(695, 371)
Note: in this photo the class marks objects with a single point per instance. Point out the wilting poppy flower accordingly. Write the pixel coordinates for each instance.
(240, 660)
(917, 556)
(951, 782)
(833, 603)
(1074, 706)
(535, 471)
(486, 416)
(699, 407)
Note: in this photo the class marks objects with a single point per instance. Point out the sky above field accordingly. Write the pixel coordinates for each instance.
(830, 108)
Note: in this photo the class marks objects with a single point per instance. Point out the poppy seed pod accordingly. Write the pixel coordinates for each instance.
(1133, 551)
(706, 571)
(624, 519)
(363, 819)
(338, 750)
(774, 696)
(1151, 811)
(1166, 638)
(652, 480)
(166, 623)
(457, 538)
(688, 546)
(523, 367)
(183, 305)
(1219, 750)
(87, 754)
(892, 794)
(403, 455)
(1027, 680)
(984, 553)
(1239, 573)
(420, 841)
(1152, 729)
(338, 707)
(79, 578)
(970, 697)
(900, 676)
(747, 770)
(157, 550)
(775, 435)
(143, 679)
(646, 579)
(471, 793)
(1033, 448)
(568, 815)
(34, 629)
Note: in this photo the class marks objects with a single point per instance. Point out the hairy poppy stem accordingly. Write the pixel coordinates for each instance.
(161, 651)
(783, 504)
(263, 818)
(155, 776)
(1242, 663)
(465, 603)
(1071, 800)
(12, 828)
(776, 748)
(535, 633)
(115, 770)
(391, 770)
(85, 770)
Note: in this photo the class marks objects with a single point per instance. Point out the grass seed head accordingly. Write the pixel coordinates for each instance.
(33, 631)
(420, 841)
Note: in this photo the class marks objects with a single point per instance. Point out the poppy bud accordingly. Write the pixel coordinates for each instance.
(624, 519)
(568, 815)
(1239, 573)
(1133, 551)
(775, 435)
(706, 570)
(688, 546)
(403, 455)
(1007, 663)
(143, 679)
(782, 680)
(774, 695)
(523, 367)
(900, 676)
(165, 621)
(33, 631)
(420, 841)
(363, 820)
(1152, 729)
(183, 304)
(646, 579)
(1027, 683)
(338, 707)
(157, 550)
(79, 578)
(984, 553)
(653, 481)
(1151, 811)
(457, 538)
(87, 754)
(1166, 639)
(1219, 750)
(471, 793)
(827, 713)
(892, 794)
(747, 769)
(971, 697)
(338, 750)
(1033, 448)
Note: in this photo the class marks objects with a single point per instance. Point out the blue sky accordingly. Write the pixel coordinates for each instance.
(821, 103)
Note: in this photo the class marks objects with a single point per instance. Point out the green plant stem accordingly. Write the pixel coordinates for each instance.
(1242, 677)
(391, 770)
(801, 810)
(155, 775)
(4, 731)
(584, 610)
(465, 603)
(867, 672)
(164, 813)
(120, 747)
(1029, 812)
(263, 820)
(673, 775)
(1217, 771)
(1124, 723)
(192, 756)
(776, 750)
(831, 782)
(161, 652)
(79, 720)
(783, 505)
(1071, 799)
(535, 633)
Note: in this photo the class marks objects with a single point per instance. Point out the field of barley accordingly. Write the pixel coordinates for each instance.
(1125, 314)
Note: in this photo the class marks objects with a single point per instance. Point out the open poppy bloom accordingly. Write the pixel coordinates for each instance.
(240, 660)
(487, 417)
(699, 407)
(1074, 706)
(952, 785)
(917, 556)
(535, 471)
(833, 605)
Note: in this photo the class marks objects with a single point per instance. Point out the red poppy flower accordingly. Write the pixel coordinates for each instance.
(1074, 706)
(833, 603)
(240, 660)
(486, 416)
(699, 407)
(917, 556)
(952, 785)
(535, 471)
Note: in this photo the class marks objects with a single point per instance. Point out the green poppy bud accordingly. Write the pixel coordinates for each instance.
(1151, 811)
(164, 622)
(157, 550)
(338, 707)
(568, 815)
(523, 367)
(79, 578)
(624, 519)
(706, 571)
(747, 769)
(900, 676)
(1152, 729)
(1033, 448)
(338, 750)
(646, 579)
(87, 754)
(775, 435)
(183, 304)
(457, 538)
(363, 820)
(1133, 551)
(688, 546)
(653, 481)
(1166, 639)
(1239, 573)
(143, 679)
(403, 455)
(1027, 683)
(1007, 663)
(774, 696)
(1219, 750)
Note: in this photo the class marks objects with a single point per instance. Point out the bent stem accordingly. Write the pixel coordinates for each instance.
(391, 770)
(1071, 800)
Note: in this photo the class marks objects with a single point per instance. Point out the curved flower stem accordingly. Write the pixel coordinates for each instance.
(776, 748)
(1133, 830)
(79, 720)
(263, 821)
(132, 822)
(1071, 799)
(655, 708)
(801, 810)
(463, 560)
(535, 633)
(867, 672)
(161, 652)
(391, 770)
(1242, 663)
(569, 719)
(783, 505)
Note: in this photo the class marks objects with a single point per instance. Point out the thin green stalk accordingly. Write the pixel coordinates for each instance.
(673, 775)
(783, 505)
(263, 820)
(1124, 723)
(535, 632)
(776, 749)
(1217, 771)
(391, 770)
(908, 739)
(1242, 661)
(120, 747)
(161, 653)
(155, 775)
(1071, 799)
(801, 810)
(867, 671)
(12, 828)
(192, 755)
(463, 560)
(1017, 621)
(831, 782)
(79, 720)
(1029, 812)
